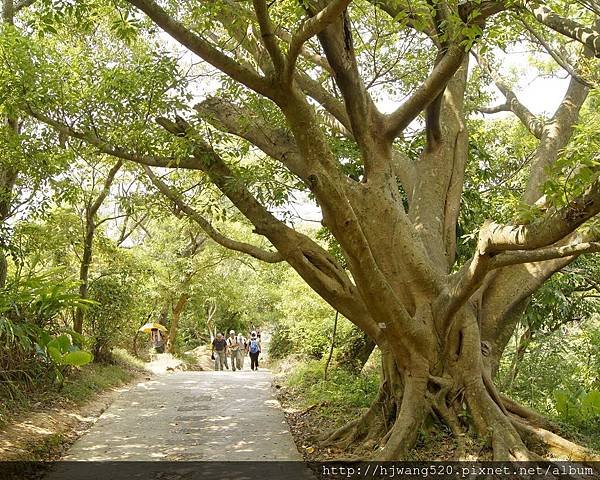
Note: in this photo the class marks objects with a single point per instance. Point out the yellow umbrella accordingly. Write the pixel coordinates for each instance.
(150, 326)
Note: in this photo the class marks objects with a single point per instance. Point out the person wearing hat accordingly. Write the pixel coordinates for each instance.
(233, 347)
(219, 351)
(254, 351)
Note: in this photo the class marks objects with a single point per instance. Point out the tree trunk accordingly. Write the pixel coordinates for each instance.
(7, 181)
(356, 351)
(8, 175)
(84, 269)
(3, 269)
(446, 387)
(332, 346)
(177, 310)
(91, 210)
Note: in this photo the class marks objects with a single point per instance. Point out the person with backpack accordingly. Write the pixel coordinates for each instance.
(254, 351)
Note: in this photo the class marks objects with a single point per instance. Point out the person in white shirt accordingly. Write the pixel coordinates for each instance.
(234, 350)
(243, 343)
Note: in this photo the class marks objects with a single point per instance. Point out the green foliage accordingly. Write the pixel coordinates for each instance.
(559, 375)
(39, 299)
(115, 302)
(305, 323)
(341, 389)
(578, 407)
(34, 347)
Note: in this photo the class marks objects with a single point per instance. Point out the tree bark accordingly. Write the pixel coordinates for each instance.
(84, 268)
(8, 178)
(177, 310)
(7, 181)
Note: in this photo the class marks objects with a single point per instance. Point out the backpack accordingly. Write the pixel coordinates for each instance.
(254, 348)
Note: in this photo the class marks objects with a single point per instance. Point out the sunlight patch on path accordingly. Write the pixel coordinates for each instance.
(192, 416)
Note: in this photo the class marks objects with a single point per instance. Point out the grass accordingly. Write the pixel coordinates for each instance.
(80, 385)
(47, 447)
(94, 378)
(340, 396)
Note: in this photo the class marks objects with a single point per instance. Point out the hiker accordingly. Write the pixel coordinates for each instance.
(219, 351)
(158, 344)
(225, 361)
(243, 343)
(234, 350)
(254, 351)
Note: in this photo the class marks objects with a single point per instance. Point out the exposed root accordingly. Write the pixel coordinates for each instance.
(491, 388)
(447, 414)
(531, 416)
(491, 421)
(557, 445)
(413, 411)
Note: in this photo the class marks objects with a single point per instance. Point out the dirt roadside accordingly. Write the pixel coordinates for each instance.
(47, 433)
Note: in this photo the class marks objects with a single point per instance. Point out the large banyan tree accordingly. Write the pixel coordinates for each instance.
(326, 94)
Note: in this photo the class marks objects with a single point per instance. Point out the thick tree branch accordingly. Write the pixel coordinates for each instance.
(551, 228)
(203, 49)
(252, 250)
(267, 33)
(529, 256)
(570, 28)
(309, 29)
(189, 163)
(277, 143)
(93, 208)
(365, 119)
(426, 93)
(534, 124)
(555, 136)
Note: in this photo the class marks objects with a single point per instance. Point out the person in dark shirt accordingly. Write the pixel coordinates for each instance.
(219, 351)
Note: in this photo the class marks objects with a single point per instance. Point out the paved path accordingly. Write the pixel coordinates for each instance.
(192, 416)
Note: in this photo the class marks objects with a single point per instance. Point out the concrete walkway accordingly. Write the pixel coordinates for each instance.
(192, 416)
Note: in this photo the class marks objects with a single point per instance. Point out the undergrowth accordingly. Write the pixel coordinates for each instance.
(343, 394)
(78, 387)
